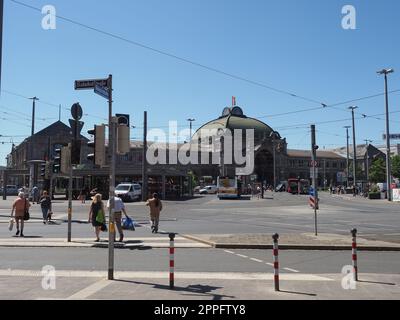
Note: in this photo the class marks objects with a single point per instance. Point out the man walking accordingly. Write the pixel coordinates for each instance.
(119, 208)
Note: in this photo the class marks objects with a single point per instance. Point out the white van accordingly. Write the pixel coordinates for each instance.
(129, 191)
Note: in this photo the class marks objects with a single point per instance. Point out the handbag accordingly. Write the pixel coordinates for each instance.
(128, 224)
(104, 227)
(26, 213)
(101, 218)
(11, 224)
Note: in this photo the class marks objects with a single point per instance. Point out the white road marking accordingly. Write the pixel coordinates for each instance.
(291, 270)
(227, 251)
(270, 264)
(91, 290)
(256, 260)
(242, 256)
(161, 275)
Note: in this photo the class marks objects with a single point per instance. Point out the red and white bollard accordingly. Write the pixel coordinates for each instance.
(354, 254)
(276, 261)
(171, 260)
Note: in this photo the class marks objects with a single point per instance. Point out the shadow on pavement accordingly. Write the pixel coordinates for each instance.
(300, 293)
(376, 282)
(198, 289)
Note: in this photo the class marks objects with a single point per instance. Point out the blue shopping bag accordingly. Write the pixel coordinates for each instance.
(128, 224)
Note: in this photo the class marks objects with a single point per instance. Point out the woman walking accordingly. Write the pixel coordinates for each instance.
(155, 206)
(96, 213)
(45, 204)
(20, 206)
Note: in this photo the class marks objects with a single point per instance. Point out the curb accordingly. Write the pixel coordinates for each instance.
(310, 247)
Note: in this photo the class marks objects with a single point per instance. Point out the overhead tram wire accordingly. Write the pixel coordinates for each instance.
(173, 56)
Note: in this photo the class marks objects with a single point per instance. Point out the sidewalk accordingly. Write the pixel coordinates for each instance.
(301, 241)
(78, 285)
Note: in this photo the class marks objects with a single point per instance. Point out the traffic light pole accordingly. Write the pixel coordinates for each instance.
(70, 205)
(112, 155)
(314, 163)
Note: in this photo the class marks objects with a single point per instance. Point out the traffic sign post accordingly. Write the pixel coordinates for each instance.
(103, 87)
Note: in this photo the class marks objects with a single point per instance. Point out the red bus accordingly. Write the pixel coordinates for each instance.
(295, 185)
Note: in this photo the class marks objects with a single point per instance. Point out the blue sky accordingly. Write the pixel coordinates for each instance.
(297, 46)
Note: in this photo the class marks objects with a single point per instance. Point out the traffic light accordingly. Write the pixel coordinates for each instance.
(57, 161)
(76, 152)
(123, 134)
(62, 160)
(98, 144)
(43, 173)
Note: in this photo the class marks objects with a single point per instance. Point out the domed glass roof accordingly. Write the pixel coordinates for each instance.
(234, 118)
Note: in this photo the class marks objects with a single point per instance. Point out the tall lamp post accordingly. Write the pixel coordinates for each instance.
(354, 146)
(348, 155)
(385, 72)
(191, 126)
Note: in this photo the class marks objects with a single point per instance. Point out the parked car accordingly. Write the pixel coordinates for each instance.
(12, 190)
(209, 190)
(129, 191)
(197, 189)
(280, 188)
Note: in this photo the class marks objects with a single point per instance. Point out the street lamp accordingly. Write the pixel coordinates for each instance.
(385, 72)
(367, 142)
(354, 146)
(191, 120)
(348, 155)
(274, 136)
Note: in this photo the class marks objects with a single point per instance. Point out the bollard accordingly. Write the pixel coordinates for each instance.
(354, 254)
(276, 261)
(171, 260)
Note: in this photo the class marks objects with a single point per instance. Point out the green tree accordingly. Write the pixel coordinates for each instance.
(377, 171)
(396, 166)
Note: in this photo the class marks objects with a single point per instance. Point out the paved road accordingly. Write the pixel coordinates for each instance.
(282, 213)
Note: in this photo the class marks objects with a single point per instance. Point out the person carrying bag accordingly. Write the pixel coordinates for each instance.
(21, 209)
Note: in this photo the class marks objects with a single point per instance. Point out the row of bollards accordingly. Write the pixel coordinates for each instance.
(275, 238)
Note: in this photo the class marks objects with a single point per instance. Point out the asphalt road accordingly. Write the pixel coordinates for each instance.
(196, 260)
(282, 213)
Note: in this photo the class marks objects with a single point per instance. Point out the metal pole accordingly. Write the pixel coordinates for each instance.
(367, 166)
(354, 147)
(275, 237)
(1, 36)
(354, 254)
(111, 152)
(348, 155)
(314, 160)
(70, 204)
(144, 164)
(34, 99)
(274, 155)
(172, 260)
(388, 164)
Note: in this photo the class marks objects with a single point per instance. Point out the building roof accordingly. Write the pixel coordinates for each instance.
(235, 119)
(320, 154)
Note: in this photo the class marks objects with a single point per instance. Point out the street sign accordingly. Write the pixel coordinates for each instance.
(123, 119)
(395, 136)
(313, 164)
(90, 84)
(76, 111)
(101, 91)
(312, 192)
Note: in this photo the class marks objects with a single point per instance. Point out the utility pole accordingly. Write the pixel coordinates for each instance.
(59, 112)
(348, 155)
(144, 161)
(191, 120)
(314, 148)
(1, 36)
(354, 146)
(388, 164)
(34, 99)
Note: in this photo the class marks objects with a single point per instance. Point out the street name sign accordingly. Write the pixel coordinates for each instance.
(395, 136)
(90, 84)
(101, 91)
